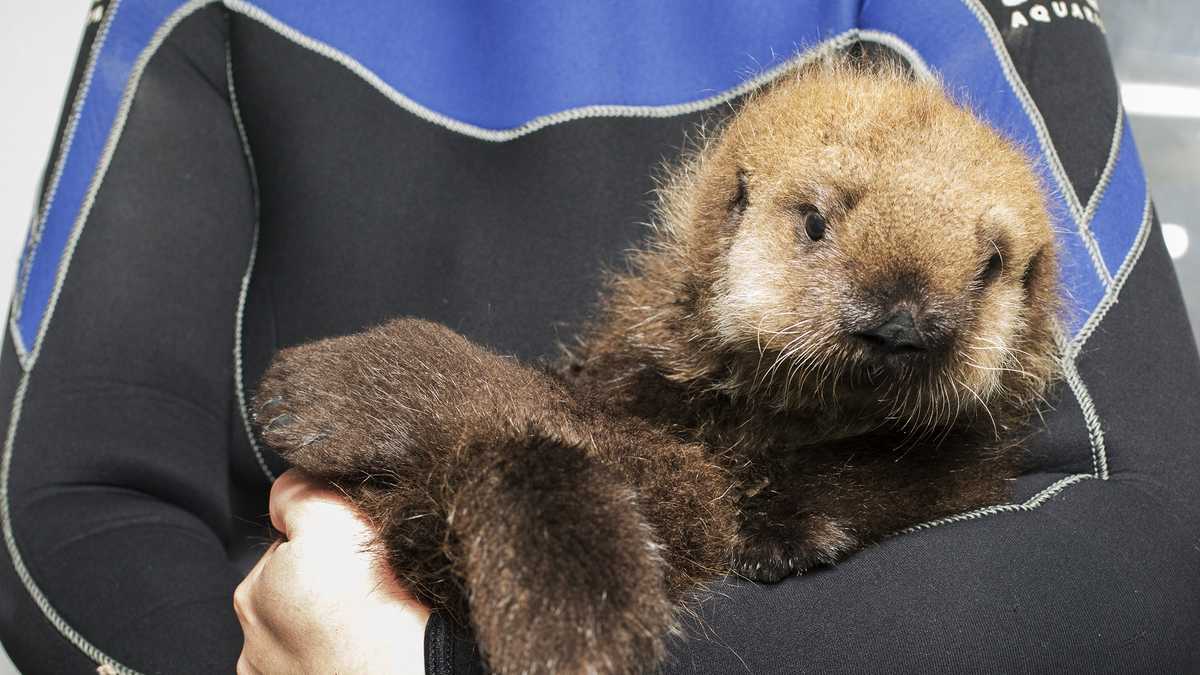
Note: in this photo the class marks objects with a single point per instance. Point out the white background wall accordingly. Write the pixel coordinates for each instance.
(37, 51)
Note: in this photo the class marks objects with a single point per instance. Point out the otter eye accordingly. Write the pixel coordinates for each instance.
(992, 269)
(814, 224)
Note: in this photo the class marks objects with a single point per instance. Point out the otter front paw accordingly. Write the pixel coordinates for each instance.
(307, 409)
(768, 553)
(374, 401)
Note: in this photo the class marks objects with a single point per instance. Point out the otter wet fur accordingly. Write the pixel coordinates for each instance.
(840, 326)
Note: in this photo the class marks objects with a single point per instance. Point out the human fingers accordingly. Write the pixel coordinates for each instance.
(294, 495)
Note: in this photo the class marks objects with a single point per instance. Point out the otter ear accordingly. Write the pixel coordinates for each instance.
(716, 185)
(1035, 272)
(740, 199)
(741, 196)
(1040, 280)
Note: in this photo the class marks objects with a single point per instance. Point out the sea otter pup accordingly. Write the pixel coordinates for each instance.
(839, 327)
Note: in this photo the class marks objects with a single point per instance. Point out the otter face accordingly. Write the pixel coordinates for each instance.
(877, 244)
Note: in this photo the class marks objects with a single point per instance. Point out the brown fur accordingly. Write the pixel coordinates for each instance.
(724, 410)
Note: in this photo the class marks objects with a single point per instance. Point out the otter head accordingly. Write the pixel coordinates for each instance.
(853, 237)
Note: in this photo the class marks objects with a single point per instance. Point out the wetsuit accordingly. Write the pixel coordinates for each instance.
(234, 177)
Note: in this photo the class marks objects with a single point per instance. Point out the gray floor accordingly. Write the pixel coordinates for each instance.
(1155, 44)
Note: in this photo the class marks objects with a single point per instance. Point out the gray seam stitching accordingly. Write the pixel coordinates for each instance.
(1101, 188)
(1093, 247)
(1109, 167)
(1028, 505)
(1091, 418)
(239, 318)
(1098, 451)
(501, 135)
(1112, 295)
(18, 342)
(65, 144)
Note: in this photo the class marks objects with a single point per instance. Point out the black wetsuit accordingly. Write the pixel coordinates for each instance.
(236, 177)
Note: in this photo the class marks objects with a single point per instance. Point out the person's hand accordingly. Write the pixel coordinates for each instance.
(318, 601)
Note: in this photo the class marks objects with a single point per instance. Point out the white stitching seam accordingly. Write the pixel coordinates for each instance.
(64, 149)
(1110, 298)
(13, 333)
(1049, 151)
(500, 135)
(238, 365)
(1110, 164)
(1095, 438)
(18, 343)
(1028, 505)
(1090, 418)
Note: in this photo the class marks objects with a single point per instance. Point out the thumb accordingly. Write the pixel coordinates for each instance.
(298, 500)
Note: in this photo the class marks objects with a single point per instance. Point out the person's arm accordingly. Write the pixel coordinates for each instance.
(116, 484)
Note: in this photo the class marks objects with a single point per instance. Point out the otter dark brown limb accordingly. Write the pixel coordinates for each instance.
(839, 328)
(572, 533)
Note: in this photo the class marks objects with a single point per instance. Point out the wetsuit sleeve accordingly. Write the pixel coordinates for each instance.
(117, 366)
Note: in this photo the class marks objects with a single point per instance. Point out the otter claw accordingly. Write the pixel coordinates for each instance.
(315, 438)
(279, 422)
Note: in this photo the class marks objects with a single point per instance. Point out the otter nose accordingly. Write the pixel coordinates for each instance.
(896, 333)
